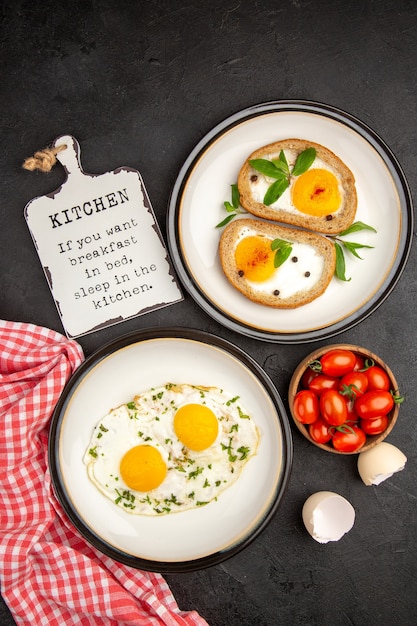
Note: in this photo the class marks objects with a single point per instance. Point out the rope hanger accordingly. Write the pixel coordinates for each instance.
(43, 160)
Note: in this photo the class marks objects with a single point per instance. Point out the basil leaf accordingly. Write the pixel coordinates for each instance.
(283, 159)
(355, 227)
(282, 253)
(303, 161)
(275, 191)
(226, 220)
(352, 247)
(340, 263)
(229, 208)
(235, 196)
(267, 168)
(277, 243)
(281, 163)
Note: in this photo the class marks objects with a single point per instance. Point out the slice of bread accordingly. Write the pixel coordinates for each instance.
(300, 279)
(252, 185)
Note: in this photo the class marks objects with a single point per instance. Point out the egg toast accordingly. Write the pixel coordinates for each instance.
(273, 265)
(322, 198)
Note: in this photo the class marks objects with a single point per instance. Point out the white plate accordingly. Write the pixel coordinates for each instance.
(196, 207)
(192, 539)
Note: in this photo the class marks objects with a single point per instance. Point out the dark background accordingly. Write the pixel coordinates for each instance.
(139, 84)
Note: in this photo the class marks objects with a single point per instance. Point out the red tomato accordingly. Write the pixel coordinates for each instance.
(354, 384)
(307, 377)
(352, 416)
(321, 382)
(360, 363)
(306, 406)
(350, 439)
(374, 426)
(333, 407)
(337, 362)
(319, 431)
(377, 378)
(374, 403)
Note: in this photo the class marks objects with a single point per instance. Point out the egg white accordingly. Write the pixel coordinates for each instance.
(290, 277)
(193, 478)
(260, 186)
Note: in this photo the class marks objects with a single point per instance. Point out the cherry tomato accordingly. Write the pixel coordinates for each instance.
(374, 403)
(374, 426)
(333, 407)
(377, 378)
(321, 382)
(354, 384)
(350, 439)
(360, 363)
(306, 406)
(307, 377)
(352, 416)
(337, 362)
(320, 431)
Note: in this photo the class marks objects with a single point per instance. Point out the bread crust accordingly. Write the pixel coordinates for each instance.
(332, 224)
(227, 246)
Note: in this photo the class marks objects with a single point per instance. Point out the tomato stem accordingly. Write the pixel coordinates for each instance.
(315, 366)
(398, 398)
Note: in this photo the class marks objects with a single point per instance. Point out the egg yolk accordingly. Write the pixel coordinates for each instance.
(143, 468)
(255, 258)
(196, 426)
(316, 192)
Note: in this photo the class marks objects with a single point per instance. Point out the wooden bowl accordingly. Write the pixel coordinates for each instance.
(295, 386)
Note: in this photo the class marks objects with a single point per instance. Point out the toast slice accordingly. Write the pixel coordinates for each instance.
(252, 186)
(302, 277)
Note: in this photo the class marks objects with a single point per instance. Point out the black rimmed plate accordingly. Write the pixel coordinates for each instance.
(204, 183)
(187, 540)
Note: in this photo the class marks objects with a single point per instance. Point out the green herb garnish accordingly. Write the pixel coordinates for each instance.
(281, 172)
(233, 208)
(282, 250)
(352, 247)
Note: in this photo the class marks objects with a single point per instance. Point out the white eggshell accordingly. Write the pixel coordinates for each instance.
(379, 463)
(327, 516)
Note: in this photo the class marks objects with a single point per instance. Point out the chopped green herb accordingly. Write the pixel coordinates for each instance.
(195, 473)
(244, 452)
(232, 457)
(242, 415)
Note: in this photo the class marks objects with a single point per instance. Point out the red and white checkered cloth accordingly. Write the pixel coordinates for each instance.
(49, 575)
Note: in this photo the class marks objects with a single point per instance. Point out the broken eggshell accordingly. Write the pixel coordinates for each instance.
(379, 463)
(327, 516)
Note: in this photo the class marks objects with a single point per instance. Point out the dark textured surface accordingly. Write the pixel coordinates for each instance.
(139, 84)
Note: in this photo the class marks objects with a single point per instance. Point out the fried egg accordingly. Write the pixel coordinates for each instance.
(173, 448)
(317, 192)
(254, 258)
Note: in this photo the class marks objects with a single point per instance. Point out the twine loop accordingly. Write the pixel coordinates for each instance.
(43, 160)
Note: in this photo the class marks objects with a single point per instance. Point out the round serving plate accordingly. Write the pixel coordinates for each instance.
(204, 183)
(187, 540)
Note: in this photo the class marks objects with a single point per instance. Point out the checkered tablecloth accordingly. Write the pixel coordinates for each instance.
(49, 574)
